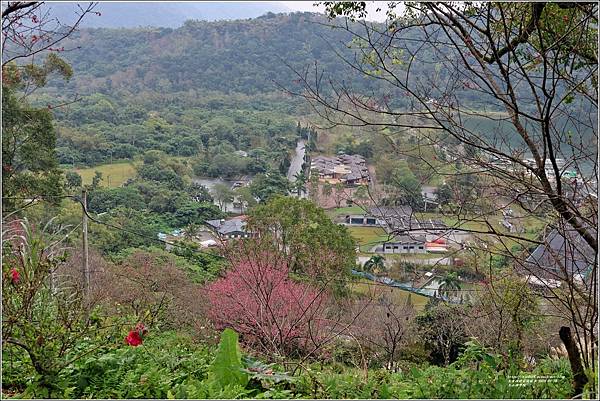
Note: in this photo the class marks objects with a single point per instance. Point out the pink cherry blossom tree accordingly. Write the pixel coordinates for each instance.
(273, 313)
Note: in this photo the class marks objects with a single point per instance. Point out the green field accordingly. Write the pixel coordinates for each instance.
(342, 211)
(465, 222)
(396, 295)
(113, 175)
(366, 237)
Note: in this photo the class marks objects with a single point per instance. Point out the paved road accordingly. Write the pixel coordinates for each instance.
(296, 165)
(297, 160)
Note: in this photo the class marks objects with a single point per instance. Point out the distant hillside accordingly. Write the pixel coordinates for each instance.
(241, 56)
(135, 14)
(210, 76)
(205, 85)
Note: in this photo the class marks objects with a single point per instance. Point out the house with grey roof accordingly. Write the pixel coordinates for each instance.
(405, 243)
(347, 169)
(234, 228)
(396, 219)
(564, 255)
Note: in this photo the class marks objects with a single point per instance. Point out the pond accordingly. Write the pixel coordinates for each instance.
(429, 289)
(466, 289)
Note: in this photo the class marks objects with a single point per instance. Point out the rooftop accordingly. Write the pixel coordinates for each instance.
(352, 167)
(562, 253)
(402, 218)
(407, 239)
(235, 224)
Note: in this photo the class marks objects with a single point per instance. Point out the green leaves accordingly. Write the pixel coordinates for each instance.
(230, 370)
(171, 366)
(264, 372)
(227, 367)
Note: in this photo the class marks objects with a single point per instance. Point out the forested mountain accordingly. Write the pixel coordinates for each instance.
(221, 78)
(168, 14)
(150, 205)
(172, 89)
(243, 56)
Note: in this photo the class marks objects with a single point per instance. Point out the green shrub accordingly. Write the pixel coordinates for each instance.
(170, 365)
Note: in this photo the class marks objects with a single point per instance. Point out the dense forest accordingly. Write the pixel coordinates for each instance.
(163, 88)
(172, 89)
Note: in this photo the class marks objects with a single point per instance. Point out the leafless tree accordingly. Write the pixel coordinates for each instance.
(385, 329)
(28, 28)
(29, 32)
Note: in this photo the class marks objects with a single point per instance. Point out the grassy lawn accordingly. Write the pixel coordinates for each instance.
(342, 211)
(116, 173)
(367, 237)
(396, 295)
(470, 225)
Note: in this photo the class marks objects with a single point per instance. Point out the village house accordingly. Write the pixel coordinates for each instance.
(562, 256)
(406, 243)
(398, 219)
(384, 216)
(234, 228)
(348, 169)
(438, 245)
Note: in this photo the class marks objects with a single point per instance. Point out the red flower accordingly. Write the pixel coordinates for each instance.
(136, 336)
(15, 275)
(133, 338)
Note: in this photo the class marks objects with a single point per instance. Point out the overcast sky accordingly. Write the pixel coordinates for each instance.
(309, 6)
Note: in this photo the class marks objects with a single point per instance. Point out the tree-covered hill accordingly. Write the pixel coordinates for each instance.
(171, 89)
(221, 78)
(242, 56)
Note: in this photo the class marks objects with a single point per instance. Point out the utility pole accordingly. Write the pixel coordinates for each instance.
(86, 260)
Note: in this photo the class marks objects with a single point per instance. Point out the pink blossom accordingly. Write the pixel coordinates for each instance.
(269, 310)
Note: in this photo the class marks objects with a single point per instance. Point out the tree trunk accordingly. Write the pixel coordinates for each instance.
(579, 377)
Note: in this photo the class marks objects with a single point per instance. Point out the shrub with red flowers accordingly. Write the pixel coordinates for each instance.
(136, 336)
(273, 313)
(44, 313)
(15, 276)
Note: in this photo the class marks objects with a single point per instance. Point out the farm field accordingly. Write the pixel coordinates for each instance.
(113, 175)
(367, 237)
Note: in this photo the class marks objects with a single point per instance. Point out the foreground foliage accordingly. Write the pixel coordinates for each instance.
(169, 365)
(69, 353)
